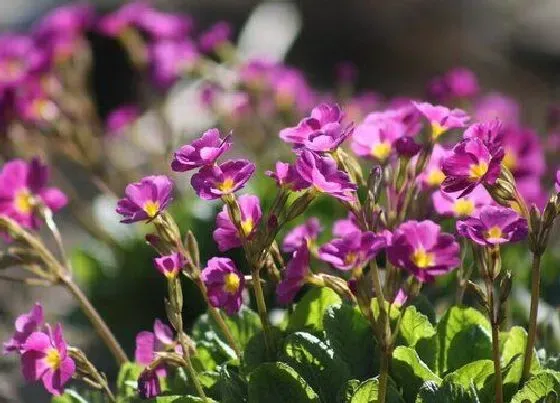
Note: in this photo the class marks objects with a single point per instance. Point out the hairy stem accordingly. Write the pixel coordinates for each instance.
(532, 332)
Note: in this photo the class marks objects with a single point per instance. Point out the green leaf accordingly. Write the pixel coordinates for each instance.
(538, 387)
(463, 336)
(447, 393)
(169, 399)
(424, 306)
(512, 376)
(474, 373)
(350, 336)
(316, 362)
(211, 353)
(69, 396)
(128, 374)
(367, 392)
(348, 390)
(416, 331)
(309, 311)
(410, 372)
(277, 382)
(256, 354)
(514, 345)
(233, 388)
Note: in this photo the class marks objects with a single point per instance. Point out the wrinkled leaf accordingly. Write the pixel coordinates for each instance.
(538, 387)
(277, 382)
(256, 354)
(367, 392)
(410, 372)
(309, 311)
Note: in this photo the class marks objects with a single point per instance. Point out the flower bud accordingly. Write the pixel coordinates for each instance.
(406, 147)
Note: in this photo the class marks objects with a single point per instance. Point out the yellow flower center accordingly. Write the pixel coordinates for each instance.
(477, 171)
(53, 359)
(231, 283)
(226, 186)
(350, 258)
(24, 201)
(510, 160)
(381, 150)
(435, 177)
(494, 233)
(423, 259)
(437, 130)
(247, 226)
(151, 208)
(463, 207)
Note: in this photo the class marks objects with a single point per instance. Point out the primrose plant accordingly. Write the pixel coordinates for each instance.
(299, 308)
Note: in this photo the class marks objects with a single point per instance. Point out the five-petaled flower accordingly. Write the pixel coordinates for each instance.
(286, 176)
(215, 181)
(146, 199)
(305, 233)
(376, 139)
(224, 283)
(441, 118)
(226, 234)
(353, 251)
(170, 265)
(461, 207)
(25, 324)
(203, 151)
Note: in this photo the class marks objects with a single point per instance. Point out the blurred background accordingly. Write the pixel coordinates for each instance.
(397, 48)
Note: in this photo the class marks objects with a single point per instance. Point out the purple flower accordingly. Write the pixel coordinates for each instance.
(360, 105)
(19, 57)
(470, 163)
(148, 343)
(68, 20)
(461, 83)
(146, 199)
(343, 227)
(226, 235)
(402, 112)
(353, 251)
(523, 153)
(324, 175)
(215, 36)
(460, 207)
(203, 151)
(407, 147)
(290, 90)
(497, 106)
(25, 324)
(495, 225)
(491, 133)
(162, 26)
(376, 139)
(45, 357)
(148, 385)
(224, 283)
(169, 60)
(441, 118)
(433, 176)
(294, 275)
(214, 181)
(170, 265)
(557, 184)
(302, 234)
(22, 186)
(34, 105)
(421, 248)
(121, 118)
(287, 176)
(320, 132)
(118, 22)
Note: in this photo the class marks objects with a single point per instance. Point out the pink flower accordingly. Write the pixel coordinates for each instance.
(215, 36)
(160, 340)
(202, 151)
(433, 175)
(450, 204)
(170, 265)
(121, 118)
(224, 283)
(497, 106)
(441, 118)
(294, 275)
(145, 199)
(353, 251)
(214, 181)
(170, 60)
(226, 235)
(461, 83)
(288, 177)
(45, 357)
(25, 324)
(376, 139)
(343, 227)
(302, 234)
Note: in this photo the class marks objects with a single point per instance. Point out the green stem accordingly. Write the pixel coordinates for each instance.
(495, 343)
(261, 307)
(383, 377)
(532, 333)
(190, 368)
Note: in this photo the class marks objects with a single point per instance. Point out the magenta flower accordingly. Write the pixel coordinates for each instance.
(72, 19)
(286, 175)
(421, 248)
(406, 147)
(25, 324)
(146, 199)
(148, 343)
(433, 175)
(400, 298)
(353, 251)
(449, 204)
(531, 189)
(376, 139)
(402, 112)
(170, 60)
(203, 151)
(470, 164)
(163, 26)
(226, 235)
(224, 283)
(441, 118)
(215, 36)
(214, 181)
(290, 90)
(360, 105)
(34, 105)
(320, 132)
(19, 57)
(170, 265)
(121, 118)
(490, 132)
(461, 83)
(22, 187)
(45, 357)
(127, 16)
(148, 385)
(302, 234)
(324, 175)
(557, 184)
(341, 228)
(523, 153)
(294, 275)
(497, 106)
(495, 225)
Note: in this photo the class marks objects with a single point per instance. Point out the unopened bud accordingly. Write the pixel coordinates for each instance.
(505, 286)
(192, 247)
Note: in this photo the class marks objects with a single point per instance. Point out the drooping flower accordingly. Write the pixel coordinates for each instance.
(421, 248)
(148, 343)
(376, 139)
(471, 163)
(294, 275)
(25, 324)
(406, 147)
(19, 58)
(224, 283)
(214, 181)
(497, 106)
(203, 151)
(170, 60)
(302, 234)
(170, 265)
(353, 251)
(226, 234)
(146, 199)
(148, 385)
(494, 226)
(121, 118)
(343, 227)
(215, 36)
(22, 187)
(450, 204)
(287, 176)
(45, 357)
(323, 174)
(433, 175)
(441, 118)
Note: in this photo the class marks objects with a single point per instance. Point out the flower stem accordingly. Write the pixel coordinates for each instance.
(100, 326)
(383, 377)
(261, 307)
(532, 332)
(189, 366)
(495, 343)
